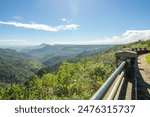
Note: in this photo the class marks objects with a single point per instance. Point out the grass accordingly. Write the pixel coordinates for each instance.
(148, 58)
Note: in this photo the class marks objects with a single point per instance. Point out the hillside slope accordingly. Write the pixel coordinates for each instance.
(52, 54)
(16, 67)
(78, 80)
(72, 80)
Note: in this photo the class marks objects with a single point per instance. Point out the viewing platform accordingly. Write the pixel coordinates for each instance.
(131, 79)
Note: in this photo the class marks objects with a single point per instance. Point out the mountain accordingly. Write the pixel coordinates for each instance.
(16, 67)
(20, 66)
(38, 46)
(78, 80)
(52, 54)
(66, 80)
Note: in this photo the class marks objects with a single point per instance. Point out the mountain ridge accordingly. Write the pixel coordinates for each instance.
(45, 52)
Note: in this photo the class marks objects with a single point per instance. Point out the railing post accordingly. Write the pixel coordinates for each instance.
(130, 58)
(125, 66)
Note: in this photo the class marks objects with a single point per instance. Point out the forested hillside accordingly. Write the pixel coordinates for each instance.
(69, 80)
(138, 44)
(16, 67)
(53, 54)
(141, 44)
(72, 80)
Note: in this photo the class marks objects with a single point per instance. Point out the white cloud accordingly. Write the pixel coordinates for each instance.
(18, 42)
(12, 42)
(64, 19)
(43, 27)
(127, 37)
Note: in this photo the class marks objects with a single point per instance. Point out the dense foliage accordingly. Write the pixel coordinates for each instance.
(148, 58)
(141, 44)
(72, 81)
(16, 67)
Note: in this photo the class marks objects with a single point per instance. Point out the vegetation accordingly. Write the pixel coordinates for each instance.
(148, 58)
(141, 44)
(53, 54)
(16, 67)
(72, 79)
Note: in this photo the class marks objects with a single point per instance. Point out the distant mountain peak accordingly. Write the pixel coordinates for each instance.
(40, 46)
(43, 44)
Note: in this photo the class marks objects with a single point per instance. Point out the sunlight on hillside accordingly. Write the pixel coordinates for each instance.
(148, 58)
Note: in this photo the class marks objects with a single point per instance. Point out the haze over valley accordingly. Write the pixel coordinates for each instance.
(66, 48)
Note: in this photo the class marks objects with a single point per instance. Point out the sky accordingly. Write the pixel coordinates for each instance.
(32, 22)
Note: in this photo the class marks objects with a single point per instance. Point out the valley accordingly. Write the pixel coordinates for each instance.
(19, 66)
(25, 75)
(52, 54)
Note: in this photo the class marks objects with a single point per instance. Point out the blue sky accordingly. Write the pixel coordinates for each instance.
(31, 22)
